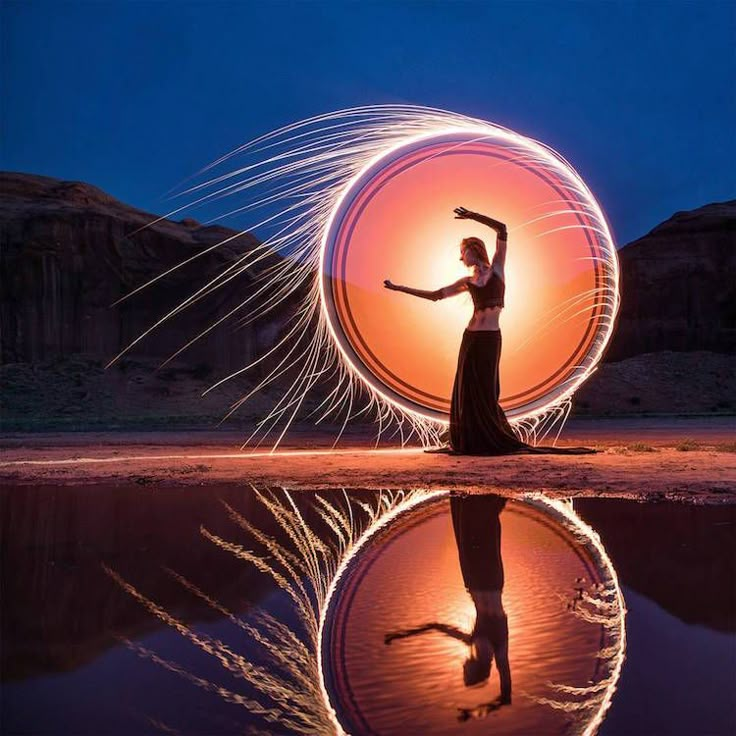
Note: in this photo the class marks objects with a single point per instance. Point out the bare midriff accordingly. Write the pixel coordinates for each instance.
(485, 319)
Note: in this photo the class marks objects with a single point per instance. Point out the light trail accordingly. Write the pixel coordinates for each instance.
(309, 569)
(609, 609)
(297, 181)
(214, 456)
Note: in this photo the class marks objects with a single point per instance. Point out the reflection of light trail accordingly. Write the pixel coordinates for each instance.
(309, 571)
(306, 571)
(304, 172)
(602, 605)
(606, 607)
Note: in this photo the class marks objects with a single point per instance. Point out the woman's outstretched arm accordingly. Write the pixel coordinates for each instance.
(452, 631)
(446, 291)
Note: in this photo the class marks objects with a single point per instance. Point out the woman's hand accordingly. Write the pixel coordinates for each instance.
(462, 214)
(389, 285)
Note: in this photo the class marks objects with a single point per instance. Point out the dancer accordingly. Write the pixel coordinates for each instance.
(477, 530)
(478, 425)
(475, 521)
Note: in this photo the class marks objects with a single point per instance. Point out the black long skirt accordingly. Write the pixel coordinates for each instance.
(477, 527)
(478, 425)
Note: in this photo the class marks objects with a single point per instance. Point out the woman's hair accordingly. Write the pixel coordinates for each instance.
(477, 669)
(478, 247)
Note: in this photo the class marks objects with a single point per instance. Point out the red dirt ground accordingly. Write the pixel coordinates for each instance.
(687, 459)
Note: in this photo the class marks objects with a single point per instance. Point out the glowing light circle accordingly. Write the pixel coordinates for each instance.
(381, 588)
(394, 220)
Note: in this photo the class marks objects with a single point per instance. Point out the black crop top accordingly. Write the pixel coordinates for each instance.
(489, 295)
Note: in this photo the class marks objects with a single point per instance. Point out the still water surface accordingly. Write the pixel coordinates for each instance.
(140, 610)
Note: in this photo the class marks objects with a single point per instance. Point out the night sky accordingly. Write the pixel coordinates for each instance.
(134, 96)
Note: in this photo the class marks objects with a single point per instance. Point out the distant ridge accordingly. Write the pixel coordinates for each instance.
(678, 285)
(66, 255)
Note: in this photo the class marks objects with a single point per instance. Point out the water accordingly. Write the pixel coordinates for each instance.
(142, 610)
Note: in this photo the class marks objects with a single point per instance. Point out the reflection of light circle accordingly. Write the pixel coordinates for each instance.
(395, 221)
(407, 575)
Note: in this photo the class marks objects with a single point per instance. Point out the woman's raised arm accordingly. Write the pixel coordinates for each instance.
(499, 257)
(462, 214)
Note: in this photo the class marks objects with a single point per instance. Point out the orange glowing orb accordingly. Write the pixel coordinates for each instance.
(408, 577)
(395, 221)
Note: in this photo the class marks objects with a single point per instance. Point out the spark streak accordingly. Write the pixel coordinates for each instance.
(293, 691)
(297, 181)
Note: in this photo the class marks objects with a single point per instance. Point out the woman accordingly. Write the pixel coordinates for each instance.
(475, 521)
(477, 529)
(478, 425)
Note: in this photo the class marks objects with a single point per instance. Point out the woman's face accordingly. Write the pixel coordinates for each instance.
(467, 256)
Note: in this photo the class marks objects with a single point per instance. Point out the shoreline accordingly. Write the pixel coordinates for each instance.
(690, 460)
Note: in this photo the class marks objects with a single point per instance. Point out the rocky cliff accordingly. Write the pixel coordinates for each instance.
(68, 251)
(678, 284)
(678, 555)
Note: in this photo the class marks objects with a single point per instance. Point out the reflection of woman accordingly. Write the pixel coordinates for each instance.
(475, 521)
(478, 425)
(478, 538)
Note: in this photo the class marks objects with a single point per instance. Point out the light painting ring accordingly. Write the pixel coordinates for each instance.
(589, 223)
(559, 513)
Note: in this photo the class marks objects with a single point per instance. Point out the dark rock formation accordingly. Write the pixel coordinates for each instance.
(699, 381)
(69, 251)
(66, 609)
(678, 555)
(60, 609)
(678, 286)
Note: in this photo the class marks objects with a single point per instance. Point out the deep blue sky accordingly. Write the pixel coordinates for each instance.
(135, 96)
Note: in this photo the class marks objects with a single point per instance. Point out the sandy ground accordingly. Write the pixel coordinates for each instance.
(686, 459)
